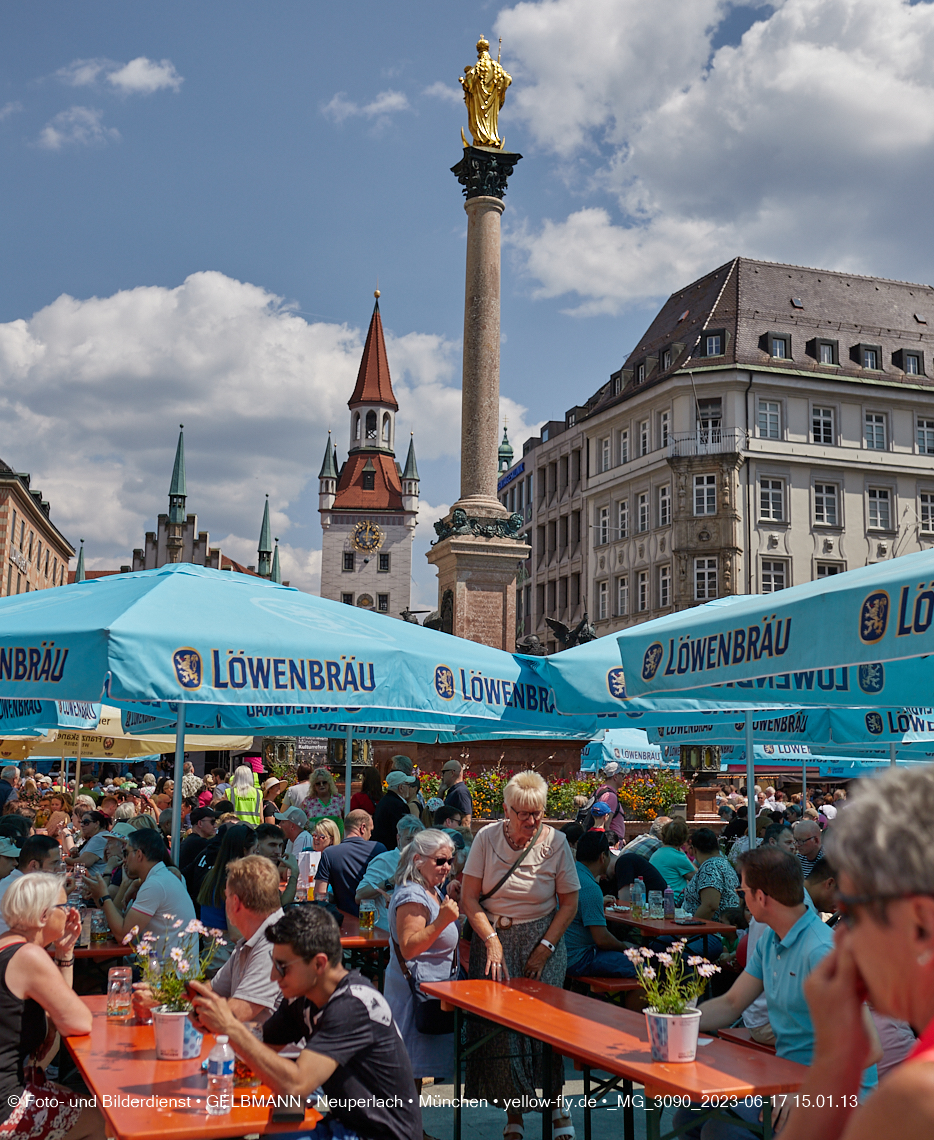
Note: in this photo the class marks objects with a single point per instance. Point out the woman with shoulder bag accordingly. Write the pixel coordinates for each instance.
(424, 935)
(519, 893)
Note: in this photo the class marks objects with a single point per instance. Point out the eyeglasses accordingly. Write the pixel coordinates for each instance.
(446, 861)
(60, 906)
(845, 903)
(281, 968)
(529, 816)
(85, 822)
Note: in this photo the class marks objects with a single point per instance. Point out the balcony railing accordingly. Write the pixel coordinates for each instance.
(706, 441)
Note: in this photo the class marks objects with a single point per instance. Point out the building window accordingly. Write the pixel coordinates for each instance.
(713, 344)
(705, 494)
(827, 352)
(771, 499)
(709, 419)
(623, 518)
(779, 348)
(869, 356)
(705, 579)
(825, 504)
(663, 429)
(383, 565)
(382, 603)
(617, 383)
(666, 360)
(644, 437)
(624, 446)
(640, 373)
(913, 364)
(773, 576)
(828, 569)
(622, 596)
(603, 598)
(664, 505)
(347, 599)
(356, 426)
(603, 526)
(927, 512)
(664, 586)
(769, 419)
(822, 425)
(880, 508)
(643, 501)
(605, 454)
(926, 437)
(369, 480)
(348, 559)
(371, 425)
(643, 590)
(875, 431)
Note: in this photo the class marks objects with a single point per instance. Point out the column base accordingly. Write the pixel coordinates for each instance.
(477, 587)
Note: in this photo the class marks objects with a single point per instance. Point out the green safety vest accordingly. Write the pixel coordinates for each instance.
(248, 805)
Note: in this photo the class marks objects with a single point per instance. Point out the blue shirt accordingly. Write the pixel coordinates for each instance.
(590, 912)
(782, 965)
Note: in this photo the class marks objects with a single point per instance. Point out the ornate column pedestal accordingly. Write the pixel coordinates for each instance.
(476, 588)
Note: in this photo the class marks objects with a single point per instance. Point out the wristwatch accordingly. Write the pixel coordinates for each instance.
(548, 945)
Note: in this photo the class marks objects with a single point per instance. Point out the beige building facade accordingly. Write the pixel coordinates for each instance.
(34, 554)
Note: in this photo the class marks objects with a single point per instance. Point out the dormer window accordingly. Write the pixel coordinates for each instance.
(369, 480)
(666, 359)
(640, 373)
(909, 360)
(868, 356)
(713, 344)
(778, 345)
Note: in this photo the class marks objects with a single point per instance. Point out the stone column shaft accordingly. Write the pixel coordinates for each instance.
(480, 384)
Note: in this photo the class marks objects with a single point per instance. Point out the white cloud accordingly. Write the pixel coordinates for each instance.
(91, 392)
(9, 109)
(445, 92)
(385, 103)
(141, 76)
(811, 141)
(78, 126)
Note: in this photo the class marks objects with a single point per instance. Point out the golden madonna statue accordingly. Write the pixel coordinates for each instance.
(484, 93)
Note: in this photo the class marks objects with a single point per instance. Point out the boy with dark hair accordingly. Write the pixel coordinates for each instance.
(352, 1046)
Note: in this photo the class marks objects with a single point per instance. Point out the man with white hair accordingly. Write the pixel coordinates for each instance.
(9, 782)
(646, 845)
(191, 784)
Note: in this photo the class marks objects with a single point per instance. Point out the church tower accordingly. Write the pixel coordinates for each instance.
(368, 507)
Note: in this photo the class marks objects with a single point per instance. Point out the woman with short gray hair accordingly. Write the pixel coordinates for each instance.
(424, 934)
(883, 851)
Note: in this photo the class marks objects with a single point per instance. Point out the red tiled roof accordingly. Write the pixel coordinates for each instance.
(93, 574)
(236, 567)
(387, 488)
(373, 383)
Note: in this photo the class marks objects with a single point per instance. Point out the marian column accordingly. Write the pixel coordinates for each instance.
(477, 553)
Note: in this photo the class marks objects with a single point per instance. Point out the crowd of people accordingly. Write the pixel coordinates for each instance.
(833, 903)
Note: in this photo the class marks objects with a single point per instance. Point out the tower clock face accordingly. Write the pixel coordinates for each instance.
(367, 537)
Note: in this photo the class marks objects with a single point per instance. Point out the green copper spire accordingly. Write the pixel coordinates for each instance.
(411, 470)
(276, 574)
(264, 565)
(329, 466)
(178, 491)
(79, 572)
(505, 453)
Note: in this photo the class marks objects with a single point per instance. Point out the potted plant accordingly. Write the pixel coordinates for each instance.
(166, 977)
(672, 991)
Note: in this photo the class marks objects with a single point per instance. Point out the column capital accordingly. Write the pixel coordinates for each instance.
(483, 171)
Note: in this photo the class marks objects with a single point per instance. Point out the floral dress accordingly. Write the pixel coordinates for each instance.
(331, 808)
(716, 873)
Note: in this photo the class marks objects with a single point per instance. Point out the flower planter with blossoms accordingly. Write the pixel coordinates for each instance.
(672, 990)
(167, 977)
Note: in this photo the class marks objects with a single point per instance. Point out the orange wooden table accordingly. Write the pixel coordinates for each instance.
(353, 938)
(613, 1040)
(162, 1100)
(661, 928)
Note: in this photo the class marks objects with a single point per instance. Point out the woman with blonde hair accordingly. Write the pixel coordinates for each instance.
(33, 985)
(246, 797)
(519, 893)
(325, 833)
(324, 801)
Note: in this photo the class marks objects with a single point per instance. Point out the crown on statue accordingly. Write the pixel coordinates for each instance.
(483, 44)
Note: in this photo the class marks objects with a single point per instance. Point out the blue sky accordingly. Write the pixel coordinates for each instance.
(229, 180)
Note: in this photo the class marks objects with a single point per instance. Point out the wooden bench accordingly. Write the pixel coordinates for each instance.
(740, 1035)
(602, 985)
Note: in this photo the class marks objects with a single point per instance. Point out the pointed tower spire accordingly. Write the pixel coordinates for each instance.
(276, 574)
(374, 385)
(264, 550)
(79, 571)
(411, 470)
(178, 491)
(505, 453)
(329, 466)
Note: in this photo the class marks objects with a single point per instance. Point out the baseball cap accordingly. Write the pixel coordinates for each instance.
(601, 809)
(452, 766)
(611, 769)
(293, 815)
(121, 830)
(8, 848)
(201, 813)
(396, 779)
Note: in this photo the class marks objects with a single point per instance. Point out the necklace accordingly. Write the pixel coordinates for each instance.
(515, 846)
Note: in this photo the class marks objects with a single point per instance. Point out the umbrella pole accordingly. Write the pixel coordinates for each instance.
(892, 753)
(177, 790)
(804, 788)
(750, 783)
(348, 766)
(78, 767)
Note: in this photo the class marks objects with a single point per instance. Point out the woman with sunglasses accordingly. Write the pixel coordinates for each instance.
(519, 893)
(324, 801)
(424, 934)
(32, 985)
(95, 830)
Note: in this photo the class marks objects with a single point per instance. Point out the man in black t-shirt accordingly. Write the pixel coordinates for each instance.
(342, 865)
(203, 829)
(401, 792)
(630, 867)
(352, 1046)
(455, 791)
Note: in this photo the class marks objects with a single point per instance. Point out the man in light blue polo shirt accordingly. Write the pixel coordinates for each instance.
(784, 955)
(592, 949)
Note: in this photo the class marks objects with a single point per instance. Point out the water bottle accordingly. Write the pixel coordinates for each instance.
(668, 900)
(637, 898)
(220, 1078)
